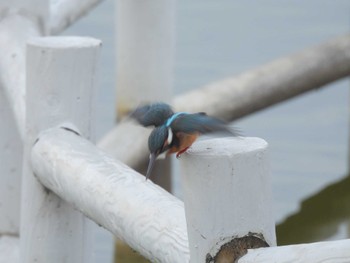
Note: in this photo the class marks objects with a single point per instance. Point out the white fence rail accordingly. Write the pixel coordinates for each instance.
(319, 252)
(66, 12)
(116, 197)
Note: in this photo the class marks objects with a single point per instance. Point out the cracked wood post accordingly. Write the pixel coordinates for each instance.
(227, 196)
(60, 82)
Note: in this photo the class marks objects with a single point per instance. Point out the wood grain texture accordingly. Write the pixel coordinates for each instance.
(116, 197)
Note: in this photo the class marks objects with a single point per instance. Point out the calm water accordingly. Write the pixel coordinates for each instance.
(308, 135)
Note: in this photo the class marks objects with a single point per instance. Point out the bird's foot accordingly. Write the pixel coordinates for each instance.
(178, 155)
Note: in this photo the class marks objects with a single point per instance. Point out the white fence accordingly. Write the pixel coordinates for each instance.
(46, 97)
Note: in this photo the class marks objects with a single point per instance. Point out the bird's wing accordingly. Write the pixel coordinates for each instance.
(152, 114)
(200, 123)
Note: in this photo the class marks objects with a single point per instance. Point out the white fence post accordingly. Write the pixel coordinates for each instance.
(145, 63)
(145, 52)
(19, 21)
(60, 80)
(227, 198)
(10, 169)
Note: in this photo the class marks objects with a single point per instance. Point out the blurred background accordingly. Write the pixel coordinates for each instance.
(308, 135)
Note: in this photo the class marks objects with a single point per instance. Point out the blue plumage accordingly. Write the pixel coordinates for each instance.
(175, 132)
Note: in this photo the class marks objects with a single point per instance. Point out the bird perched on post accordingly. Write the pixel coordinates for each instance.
(174, 132)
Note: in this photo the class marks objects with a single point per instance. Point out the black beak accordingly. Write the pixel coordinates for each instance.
(152, 159)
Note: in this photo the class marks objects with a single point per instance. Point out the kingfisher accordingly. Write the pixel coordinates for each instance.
(175, 132)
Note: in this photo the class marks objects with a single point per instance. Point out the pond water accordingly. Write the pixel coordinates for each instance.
(308, 135)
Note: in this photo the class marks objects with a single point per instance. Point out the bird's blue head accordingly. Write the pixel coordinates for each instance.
(157, 144)
(157, 140)
(153, 114)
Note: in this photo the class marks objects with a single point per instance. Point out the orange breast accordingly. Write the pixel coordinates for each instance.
(186, 141)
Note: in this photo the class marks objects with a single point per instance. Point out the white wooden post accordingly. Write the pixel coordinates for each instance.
(145, 63)
(145, 55)
(60, 80)
(227, 195)
(10, 170)
(145, 52)
(9, 249)
(19, 20)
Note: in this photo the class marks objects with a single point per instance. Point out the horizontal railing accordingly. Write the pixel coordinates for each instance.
(153, 222)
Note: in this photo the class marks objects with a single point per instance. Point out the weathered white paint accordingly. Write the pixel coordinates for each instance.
(60, 80)
(146, 216)
(226, 185)
(248, 92)
(9, 249)
(320, 252)
(10, 169)
(116, 197)
(66, 12)
(145, 51)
